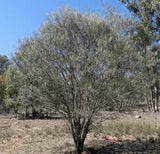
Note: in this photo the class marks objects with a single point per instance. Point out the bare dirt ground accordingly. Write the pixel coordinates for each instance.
(53, 137)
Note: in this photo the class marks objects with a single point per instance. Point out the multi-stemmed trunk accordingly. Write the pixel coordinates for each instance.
(79, 144)
(79, 128)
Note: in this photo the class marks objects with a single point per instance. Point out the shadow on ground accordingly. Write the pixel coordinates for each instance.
(125, 147)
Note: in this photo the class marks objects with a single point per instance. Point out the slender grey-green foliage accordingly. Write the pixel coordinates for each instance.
(76, 65)
(146, 37)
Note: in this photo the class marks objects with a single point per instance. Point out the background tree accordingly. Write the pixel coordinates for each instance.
(146, 36)
(13, 84)
(4, 62)
(124, 63)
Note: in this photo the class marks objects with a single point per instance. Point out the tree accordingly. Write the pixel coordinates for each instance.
(4, 62)
(125, 62)
(146, 37)
(13, 84)
(71, 65)
(19, 96)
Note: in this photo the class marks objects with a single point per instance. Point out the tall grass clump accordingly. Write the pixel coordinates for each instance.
(126, 128)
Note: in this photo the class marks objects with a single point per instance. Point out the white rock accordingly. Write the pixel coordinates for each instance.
(138, 116)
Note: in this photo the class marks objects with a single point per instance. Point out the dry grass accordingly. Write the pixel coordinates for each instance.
(53, 137)
(33, 136)
(121, 129)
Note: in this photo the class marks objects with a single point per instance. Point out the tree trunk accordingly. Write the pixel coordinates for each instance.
(79, 143)
(79, 133)
(153, 102)
(34, 113)
(155, 98)
(27, 112)
(78, 139)
(147, 102)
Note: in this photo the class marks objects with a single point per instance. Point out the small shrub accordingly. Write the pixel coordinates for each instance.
(27, 126)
